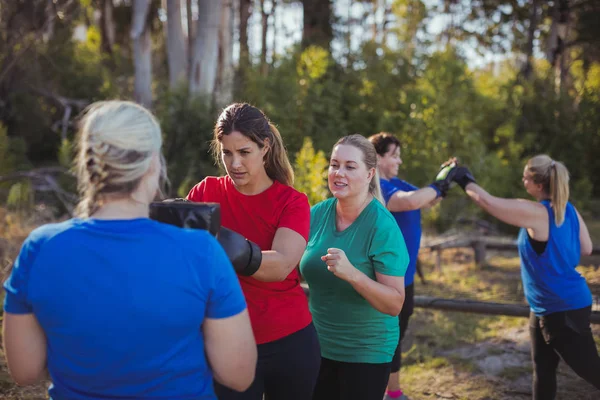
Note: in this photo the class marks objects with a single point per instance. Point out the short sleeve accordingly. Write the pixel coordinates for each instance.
(387, 190)
(296, 216)
(226, 298)
(388, 251)
(16, 297)
(197, 192)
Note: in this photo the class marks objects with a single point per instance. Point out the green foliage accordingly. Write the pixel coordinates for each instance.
(187, 126)
(66, 154)
(310, 169)
(12, 153)
(491, 118)
(20, 196)
(6, 157)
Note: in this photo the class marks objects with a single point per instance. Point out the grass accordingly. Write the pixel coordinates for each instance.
(447, 355)
(454, 355)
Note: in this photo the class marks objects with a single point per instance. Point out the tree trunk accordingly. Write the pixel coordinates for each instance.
(375, 27)
(533, 23)
(142, 53)
(225, 72)
(176, 46)
(555, 46)
(317, 23)
(265, 28)
(274, 43)
(245, 12)
(50, 20)
(107, 26)
(190, 36)
(206, 48)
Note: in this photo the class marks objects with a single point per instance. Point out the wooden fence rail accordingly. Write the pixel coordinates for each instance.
(474, 306)
(480, 245)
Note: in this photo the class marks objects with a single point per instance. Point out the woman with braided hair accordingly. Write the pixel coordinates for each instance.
(112, 304)
(553, 236)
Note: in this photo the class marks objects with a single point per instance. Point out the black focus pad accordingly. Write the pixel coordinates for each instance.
(188, 214)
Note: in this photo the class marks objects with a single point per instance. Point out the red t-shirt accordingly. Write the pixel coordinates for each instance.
(277, 309)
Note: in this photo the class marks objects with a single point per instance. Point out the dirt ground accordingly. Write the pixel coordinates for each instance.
(454, 355)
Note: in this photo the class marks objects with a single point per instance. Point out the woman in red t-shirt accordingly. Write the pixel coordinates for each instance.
(258, 202)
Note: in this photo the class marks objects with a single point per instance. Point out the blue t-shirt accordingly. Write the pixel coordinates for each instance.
(408, 221)
(550, 281)
(122, 303)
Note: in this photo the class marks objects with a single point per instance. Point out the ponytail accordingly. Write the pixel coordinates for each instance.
(554, 177)
(375, 187)
(559, 190)
(277, 163)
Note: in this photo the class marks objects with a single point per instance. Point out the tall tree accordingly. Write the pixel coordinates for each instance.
(225, 71)
(142, 53)
(317, 23)
(245, 10)
(265, 29)
(176, 45)
(107, 25)
(205, 51)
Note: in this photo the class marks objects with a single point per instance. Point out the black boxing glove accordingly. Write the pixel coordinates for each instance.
(187, 214)
(444, 179)
(245, 255)
(463, 177)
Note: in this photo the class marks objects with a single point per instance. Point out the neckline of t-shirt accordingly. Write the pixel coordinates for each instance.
(231, 185)
(354, 223)
(120, 221)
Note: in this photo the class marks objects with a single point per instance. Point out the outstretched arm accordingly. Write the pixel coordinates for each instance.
(517, 212)
(278, 263)
(408, 201)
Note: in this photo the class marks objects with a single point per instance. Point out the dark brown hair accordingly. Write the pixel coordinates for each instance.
(254, 124)
(382, 142)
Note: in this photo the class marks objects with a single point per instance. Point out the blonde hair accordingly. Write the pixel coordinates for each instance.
(554, 178)
(369, 158)
(116, 143)
(254, 124)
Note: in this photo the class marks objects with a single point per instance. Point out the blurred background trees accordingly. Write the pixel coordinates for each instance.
(492, 82)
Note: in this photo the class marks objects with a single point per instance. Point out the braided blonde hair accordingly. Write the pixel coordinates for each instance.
(116, 144)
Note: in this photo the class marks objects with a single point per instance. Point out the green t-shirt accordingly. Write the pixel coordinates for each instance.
(349, 328)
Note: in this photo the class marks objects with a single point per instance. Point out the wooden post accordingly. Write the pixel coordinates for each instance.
(479, 249)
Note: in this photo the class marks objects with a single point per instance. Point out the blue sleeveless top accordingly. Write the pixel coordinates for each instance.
(550, 280)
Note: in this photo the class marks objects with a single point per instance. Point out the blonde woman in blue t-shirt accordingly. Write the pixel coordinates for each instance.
(114, 305)
(355, 269)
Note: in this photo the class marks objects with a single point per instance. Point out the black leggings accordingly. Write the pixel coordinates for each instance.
(351, 381)
(565, 335)
(407, 311)
(287, 369)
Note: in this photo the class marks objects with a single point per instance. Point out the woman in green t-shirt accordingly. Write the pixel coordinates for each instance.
(355, 269)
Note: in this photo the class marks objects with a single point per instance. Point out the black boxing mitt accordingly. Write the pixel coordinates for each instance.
(188, 214)
(245, 255)
(463, 177)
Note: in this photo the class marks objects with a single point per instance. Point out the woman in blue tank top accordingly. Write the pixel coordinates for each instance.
(553, 236)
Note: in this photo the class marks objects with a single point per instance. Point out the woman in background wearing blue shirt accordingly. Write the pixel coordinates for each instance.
(553, 236)
(115, 305)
